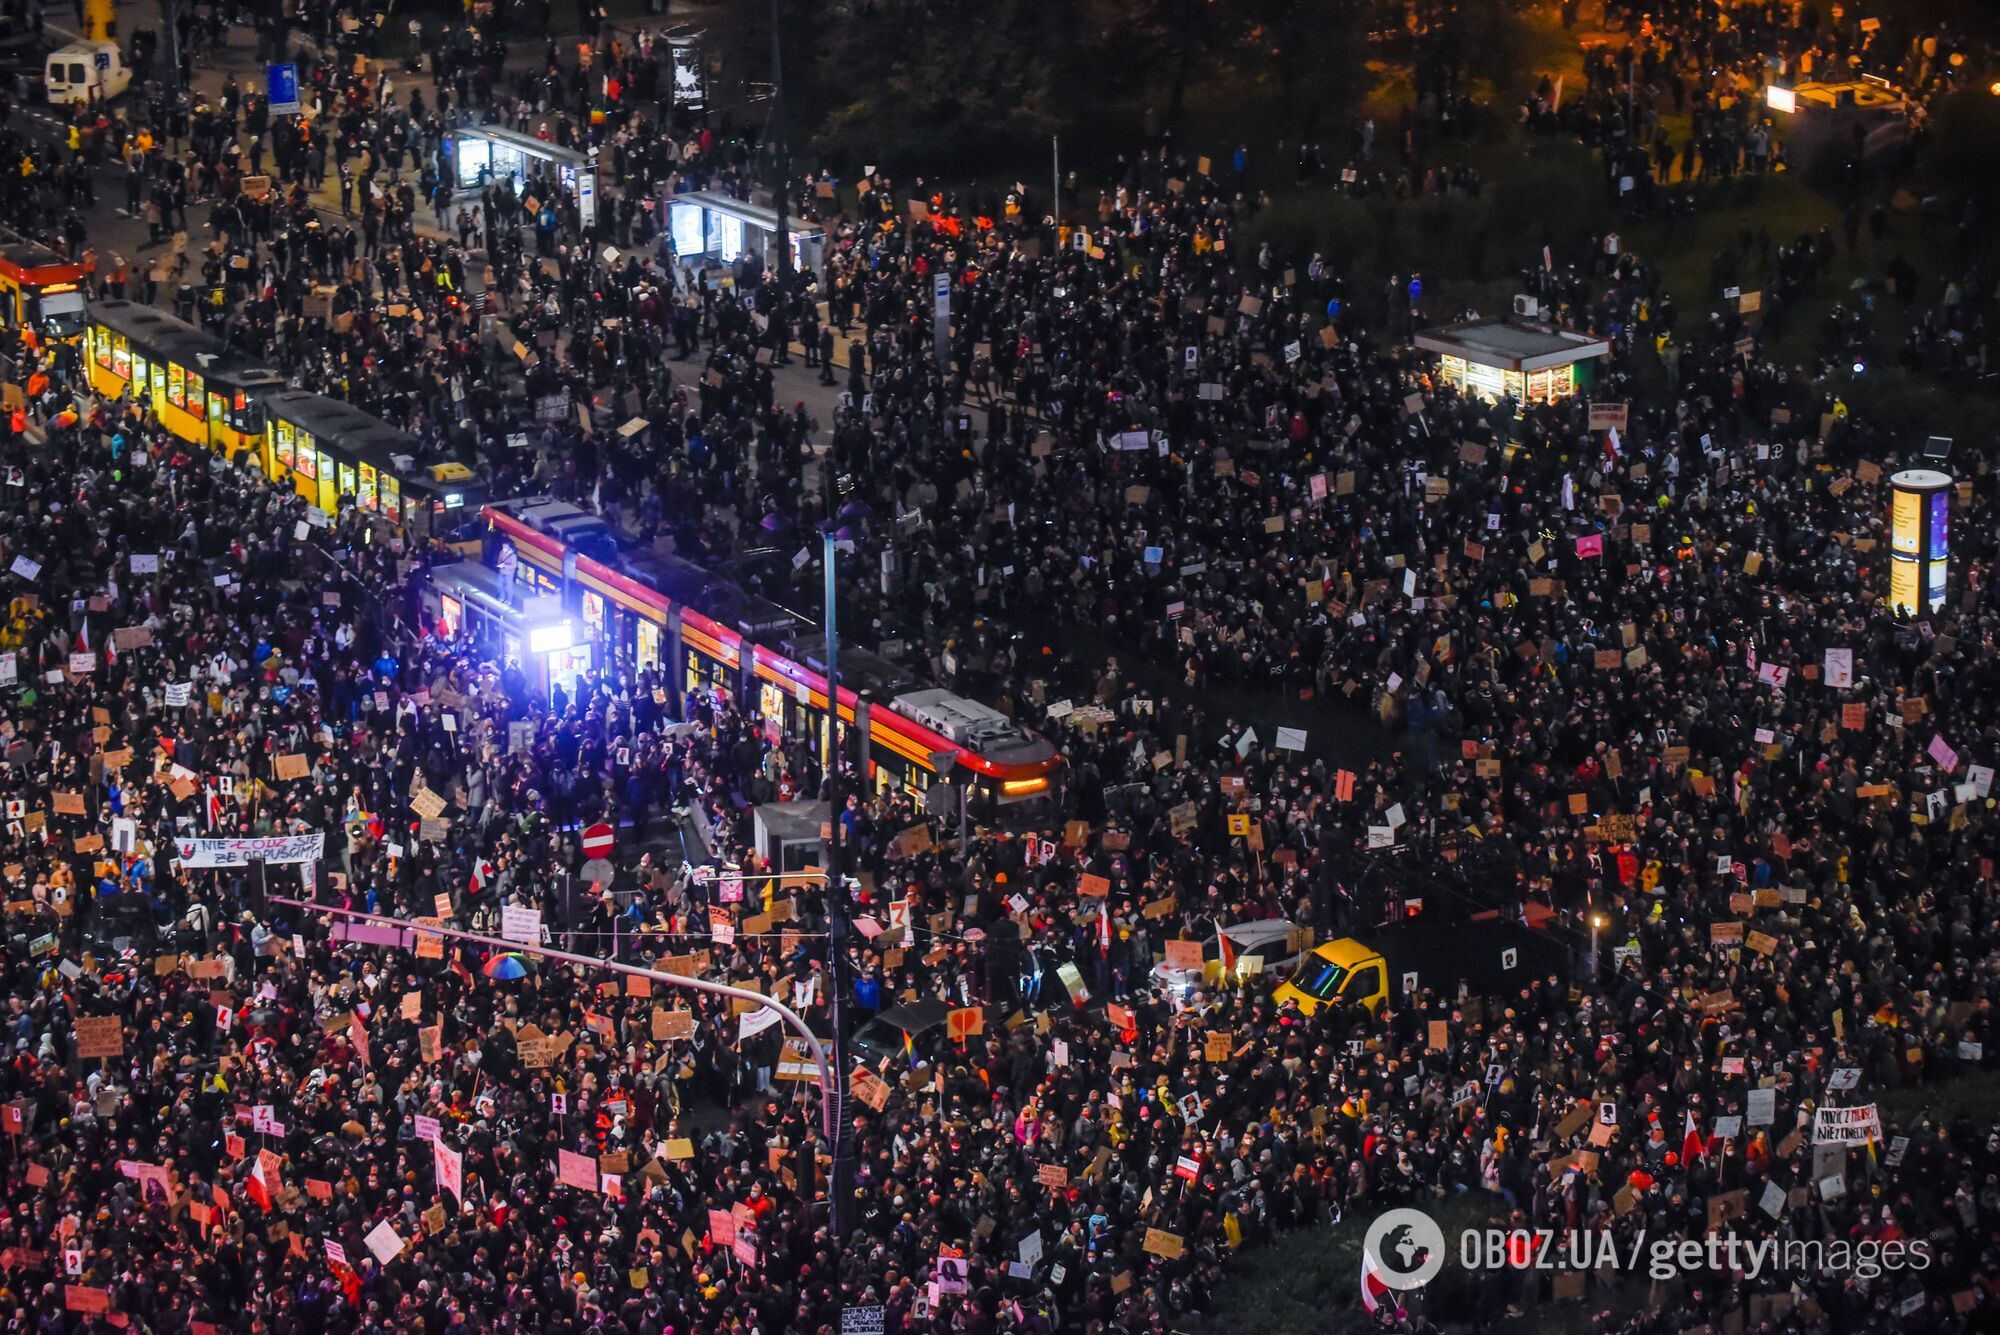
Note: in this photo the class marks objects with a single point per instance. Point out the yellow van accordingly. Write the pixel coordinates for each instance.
(1342, 972)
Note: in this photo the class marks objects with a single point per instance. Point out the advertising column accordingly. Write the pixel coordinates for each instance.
(1919, 540)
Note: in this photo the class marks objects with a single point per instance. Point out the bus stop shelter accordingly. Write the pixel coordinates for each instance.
(483, 153)
(705, 223)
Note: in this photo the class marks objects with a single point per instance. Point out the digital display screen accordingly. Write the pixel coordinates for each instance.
(1903, 584)
(1905, 522)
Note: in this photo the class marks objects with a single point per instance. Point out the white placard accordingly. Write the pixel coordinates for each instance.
(1030, 1248)
(385, 1242)
(522, 925)
(1847, 1126)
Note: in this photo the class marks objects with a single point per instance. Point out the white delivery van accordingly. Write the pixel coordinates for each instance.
(87, 72)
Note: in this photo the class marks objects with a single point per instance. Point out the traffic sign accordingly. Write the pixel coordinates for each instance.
(282, 86)
(597, 872)
(597, 840)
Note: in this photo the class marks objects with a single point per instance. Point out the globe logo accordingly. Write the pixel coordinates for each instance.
(1406, 1248)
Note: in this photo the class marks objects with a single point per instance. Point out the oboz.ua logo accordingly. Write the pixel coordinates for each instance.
(1405, 1248)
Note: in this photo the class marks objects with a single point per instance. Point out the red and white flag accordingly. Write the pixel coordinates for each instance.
(258, 1185)
(1692, 1145)
(1373, 1291)
(450, 1171)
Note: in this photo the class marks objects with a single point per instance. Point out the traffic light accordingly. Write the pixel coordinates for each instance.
(256, 895)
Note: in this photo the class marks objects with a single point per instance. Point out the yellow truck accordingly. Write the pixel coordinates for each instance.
(1485, 955)
(1343, 972)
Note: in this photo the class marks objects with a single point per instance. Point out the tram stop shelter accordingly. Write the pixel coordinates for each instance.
(703, 222)
(1526, 361)
(483, 153)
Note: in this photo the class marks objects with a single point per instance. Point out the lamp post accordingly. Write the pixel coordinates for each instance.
(840, 1194)
(403, 935)
(1597, 922)
(783, 161)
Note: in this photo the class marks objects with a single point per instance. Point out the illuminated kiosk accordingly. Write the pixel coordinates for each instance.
(1919, 540)
(1528, 362)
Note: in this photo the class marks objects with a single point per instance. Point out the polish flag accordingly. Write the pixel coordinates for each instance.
(259, 1186)
(1373, 1291)
(1228, 952)
(1693, 1146)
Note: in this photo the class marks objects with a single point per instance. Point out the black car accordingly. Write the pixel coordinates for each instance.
(882, 1036)
(24, 53)
(122, 922)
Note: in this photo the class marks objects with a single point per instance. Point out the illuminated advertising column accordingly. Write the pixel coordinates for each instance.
(1919, 540)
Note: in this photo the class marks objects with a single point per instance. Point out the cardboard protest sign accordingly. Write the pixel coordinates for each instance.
(99, 1036)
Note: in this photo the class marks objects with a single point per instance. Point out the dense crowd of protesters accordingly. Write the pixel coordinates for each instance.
(1607, 656)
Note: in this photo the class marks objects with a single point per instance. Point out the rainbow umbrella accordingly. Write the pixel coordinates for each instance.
(506, 966)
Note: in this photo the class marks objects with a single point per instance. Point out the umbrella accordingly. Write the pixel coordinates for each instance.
(775, 522)
(509, 965)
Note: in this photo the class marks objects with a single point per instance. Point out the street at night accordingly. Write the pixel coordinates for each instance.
(902, 667)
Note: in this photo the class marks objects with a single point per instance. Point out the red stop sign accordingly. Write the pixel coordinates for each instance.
(597, 840)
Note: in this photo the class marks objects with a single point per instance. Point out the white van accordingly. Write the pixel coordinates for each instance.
(87, 72)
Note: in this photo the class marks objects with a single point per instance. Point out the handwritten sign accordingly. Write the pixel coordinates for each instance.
(99, 1036)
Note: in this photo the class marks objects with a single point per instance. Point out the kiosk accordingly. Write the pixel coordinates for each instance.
(1529, 363)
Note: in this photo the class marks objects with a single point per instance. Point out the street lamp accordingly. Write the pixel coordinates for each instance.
(836, 528)
(403, 934)
(783, 162)
(1597, 922)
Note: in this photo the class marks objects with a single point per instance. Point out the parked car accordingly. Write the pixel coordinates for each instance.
(1266, 938)
(122, 922)
(24, 54)
(1343, 972)
(87, 72)
(882, 1036)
